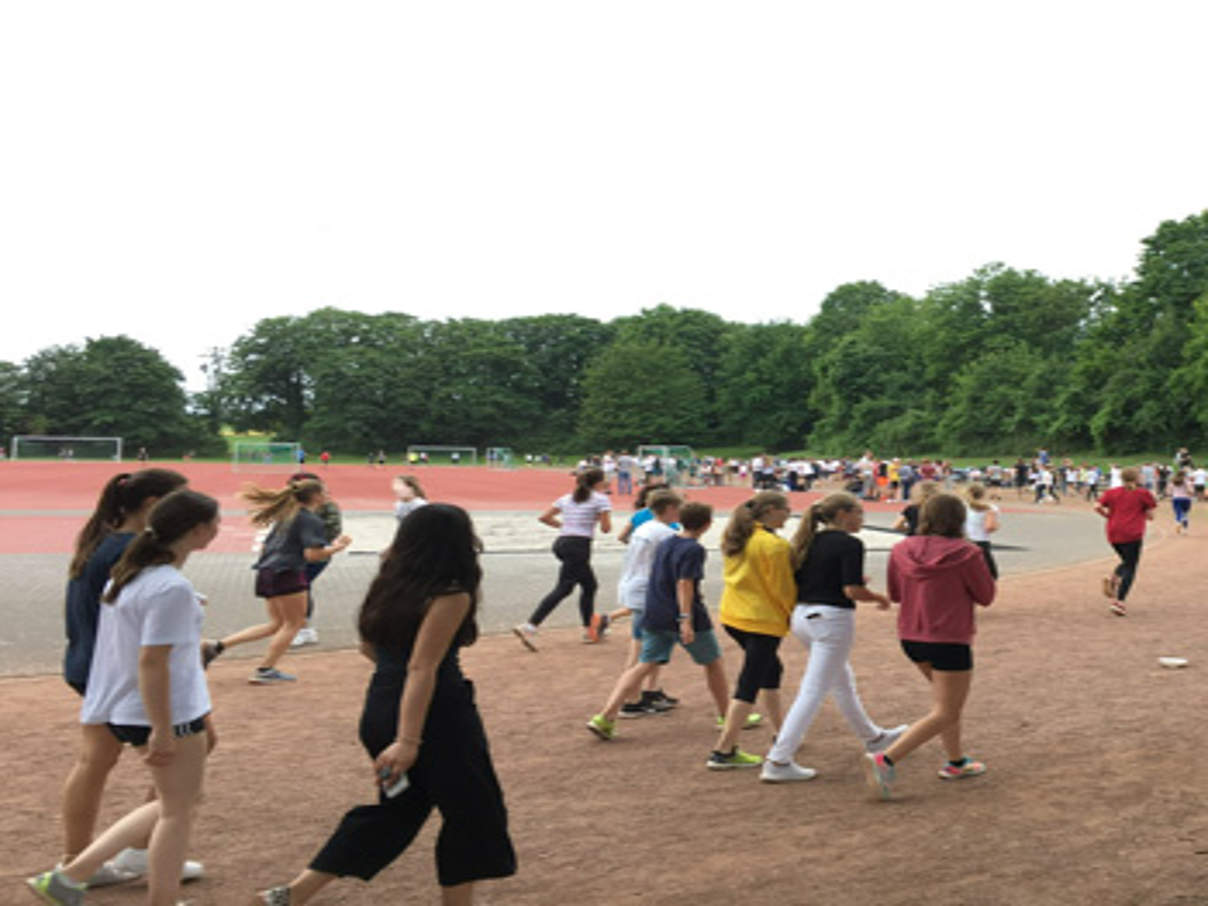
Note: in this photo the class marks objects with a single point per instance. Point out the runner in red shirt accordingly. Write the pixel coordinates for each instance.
(1127, 509)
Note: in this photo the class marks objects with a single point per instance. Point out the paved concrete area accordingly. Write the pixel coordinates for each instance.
(518, 567)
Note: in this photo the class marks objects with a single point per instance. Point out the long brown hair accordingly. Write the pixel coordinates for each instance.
(170, 520)
(122, 495)
(584, 482)
(280, 505)
(742, 521)
(944, 515)
(821, 513)
(434, 552)
(413, 483)
(974, 495)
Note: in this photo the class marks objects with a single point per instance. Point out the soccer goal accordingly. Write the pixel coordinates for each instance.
(264, 455)
(52, 446)
(443, 455)
(500, 458)
(673, 459)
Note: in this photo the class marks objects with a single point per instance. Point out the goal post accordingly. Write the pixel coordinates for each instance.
(264, 455)
(500, 458)
(55, 446)
(673, 459)
(442, 454)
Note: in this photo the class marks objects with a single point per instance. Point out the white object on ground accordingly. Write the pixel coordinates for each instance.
(1173, 662)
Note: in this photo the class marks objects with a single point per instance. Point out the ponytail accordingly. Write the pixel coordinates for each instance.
(170, 520)
(821, 513)
(742, 521)
(122, 495)
(584, 482)
(281, 505)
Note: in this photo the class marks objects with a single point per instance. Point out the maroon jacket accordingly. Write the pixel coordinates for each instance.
(937, 581)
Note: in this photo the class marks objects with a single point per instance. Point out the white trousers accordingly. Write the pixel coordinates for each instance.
(827, 632)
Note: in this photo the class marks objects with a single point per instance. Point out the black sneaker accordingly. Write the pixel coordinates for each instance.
(655, 701)
(637, 709)
(660, 695)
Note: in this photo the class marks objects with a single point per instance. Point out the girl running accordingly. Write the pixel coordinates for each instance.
(120, 515)
(1180, 500)
(419, 724)
(409, 496)
(297, 538)
(981, 522)
(146, 688)
(830, 579)
(1127, 508)
(333, 526)
(755, 606)
(581, 511)
(937, 576)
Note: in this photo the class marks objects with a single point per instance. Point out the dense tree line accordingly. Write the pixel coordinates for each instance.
(1003, 361)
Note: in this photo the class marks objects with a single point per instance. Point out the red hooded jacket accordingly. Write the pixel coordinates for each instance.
(937, 581)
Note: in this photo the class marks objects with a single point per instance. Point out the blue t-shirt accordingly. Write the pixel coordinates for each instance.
(676, 558)
(83, 606)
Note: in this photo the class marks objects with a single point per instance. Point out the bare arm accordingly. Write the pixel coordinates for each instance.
(606, 521)
(623, 535)
(550, 518)
(440, 625)
(864, 593)
(315, 554)
(900, 524)
(685, 594)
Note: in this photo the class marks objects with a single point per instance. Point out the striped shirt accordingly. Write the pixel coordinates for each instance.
(579, 519)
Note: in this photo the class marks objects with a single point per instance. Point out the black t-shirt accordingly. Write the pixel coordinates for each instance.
(83, 606)
(676, 558)
(285, 543)
(835, 559)
(911, 514)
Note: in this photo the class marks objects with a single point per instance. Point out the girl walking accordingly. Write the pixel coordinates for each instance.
(120, 516)
(1180, 500)
(146, 688)
(830, 580)
(755, 606)
(1127, 508)
(981, 522)
(419, 725)
(298, 537)
(581, 511)
(937, 576)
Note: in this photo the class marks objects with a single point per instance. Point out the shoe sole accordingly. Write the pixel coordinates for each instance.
(519, 633)
(719, 766)
(765, 779)
(1118, 610)
(31, 884)
(878, 787)
(599, 733)
(261, 681)
(946, 776)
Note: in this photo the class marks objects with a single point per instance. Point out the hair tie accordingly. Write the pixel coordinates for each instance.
(150, 532)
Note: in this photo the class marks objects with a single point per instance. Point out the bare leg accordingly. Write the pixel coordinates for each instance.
(259, 631)
(458, 895)
(652, 681)
(178, 784)
(949, 690)
(85, 785)
(625, 689)
(719, 685)
(736, 719)
(773, 707)
(127, 831)
(305, 886)
(292, 610)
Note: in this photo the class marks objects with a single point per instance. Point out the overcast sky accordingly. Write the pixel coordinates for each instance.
(176, 172)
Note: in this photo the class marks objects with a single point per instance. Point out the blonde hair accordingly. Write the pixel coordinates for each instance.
(974, 495)
(822, 512)
(281, 505)
(742, 521)
(663, 498)
(924, 491)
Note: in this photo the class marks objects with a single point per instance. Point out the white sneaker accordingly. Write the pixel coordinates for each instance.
(306, 636)
(785, 773)
(107, 875)
(885, 739)
(135, 860)
(527, 633)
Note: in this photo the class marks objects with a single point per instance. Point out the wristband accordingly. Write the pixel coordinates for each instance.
(681, 617)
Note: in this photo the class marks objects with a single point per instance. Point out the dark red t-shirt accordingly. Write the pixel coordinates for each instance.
(1127, 508)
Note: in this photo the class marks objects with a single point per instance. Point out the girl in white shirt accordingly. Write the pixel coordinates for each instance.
(981, 520)
(410, 496)
(581, 511)
(147, 686)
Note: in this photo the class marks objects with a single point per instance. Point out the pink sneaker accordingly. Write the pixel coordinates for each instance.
(970, 768)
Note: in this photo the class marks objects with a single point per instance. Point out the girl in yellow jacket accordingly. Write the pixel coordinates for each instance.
(756, 604)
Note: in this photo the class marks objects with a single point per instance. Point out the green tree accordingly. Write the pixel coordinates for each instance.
(12, 402)
(764, 383)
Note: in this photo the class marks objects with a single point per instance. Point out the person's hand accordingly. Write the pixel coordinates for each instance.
(396, 759)
(342, 542)
(161, 748)
(883, 603)
(687, 633)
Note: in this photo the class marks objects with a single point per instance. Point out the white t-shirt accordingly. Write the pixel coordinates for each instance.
(975, 523)
(580, 518)
(1199, 476)
(639, 561)
(403, 508)
(160, 607)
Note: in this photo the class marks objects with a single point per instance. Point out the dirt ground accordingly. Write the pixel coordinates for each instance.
(1093, 795)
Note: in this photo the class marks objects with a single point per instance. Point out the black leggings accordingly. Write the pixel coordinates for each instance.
(1130, 556)
(761, 666)
(985, 547)
(575, 553)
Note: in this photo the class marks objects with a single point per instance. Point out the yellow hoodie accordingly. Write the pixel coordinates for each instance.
(760, 589)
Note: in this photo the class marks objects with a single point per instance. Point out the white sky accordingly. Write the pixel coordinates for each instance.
(176, 172)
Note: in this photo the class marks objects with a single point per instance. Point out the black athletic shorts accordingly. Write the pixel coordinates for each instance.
(944, 656)
(137, 736)
(271, 583)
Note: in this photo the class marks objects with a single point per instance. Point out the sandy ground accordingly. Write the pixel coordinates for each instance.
(1093, 793)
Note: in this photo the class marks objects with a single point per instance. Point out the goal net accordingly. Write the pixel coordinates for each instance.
(673, 460)
(51, 446)
(499, 458)
(442, 455)
(264, 455)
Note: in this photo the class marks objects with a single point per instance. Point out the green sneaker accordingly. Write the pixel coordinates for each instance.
(753, 721)
(602, 727)
(735, 758)
(55, 889)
